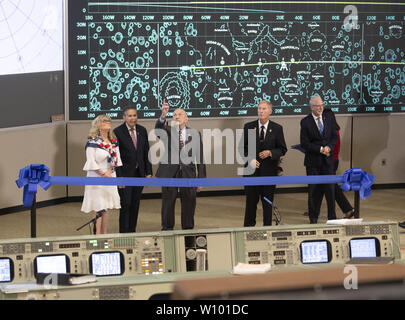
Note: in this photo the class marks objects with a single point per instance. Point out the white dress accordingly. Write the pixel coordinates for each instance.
(98, 198)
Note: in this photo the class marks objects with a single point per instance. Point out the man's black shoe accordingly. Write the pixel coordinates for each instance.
(349, 214)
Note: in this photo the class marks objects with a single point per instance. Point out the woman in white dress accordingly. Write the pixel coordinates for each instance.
(102, 156)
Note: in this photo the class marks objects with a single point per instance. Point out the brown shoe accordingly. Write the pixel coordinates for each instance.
(349, 214)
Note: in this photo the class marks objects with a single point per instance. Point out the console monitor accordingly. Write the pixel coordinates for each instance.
(57, 263)
(364, 248)
(316, 251)
(6, 270)
(107, 263)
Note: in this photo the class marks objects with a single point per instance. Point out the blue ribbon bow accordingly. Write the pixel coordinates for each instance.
(29, 178)
(358, 180)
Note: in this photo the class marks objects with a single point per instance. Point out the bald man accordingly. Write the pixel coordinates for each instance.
(318, 138)
(183, 159)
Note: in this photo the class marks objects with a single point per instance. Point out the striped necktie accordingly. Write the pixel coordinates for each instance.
(320, 125)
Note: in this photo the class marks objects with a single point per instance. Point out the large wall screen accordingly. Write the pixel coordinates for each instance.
(220, 58)
(31, 61)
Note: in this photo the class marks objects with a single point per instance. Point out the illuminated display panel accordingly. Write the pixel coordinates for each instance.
(6, 270)
(315, 251)
(107, 263)
(220, 58)
(364, 248)
(52, 264)
(31, 36)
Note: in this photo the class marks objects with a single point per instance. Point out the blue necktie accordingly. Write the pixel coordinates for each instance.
(320, 125)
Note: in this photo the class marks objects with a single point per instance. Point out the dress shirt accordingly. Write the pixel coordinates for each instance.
(183, 131)
(183, 135)
(129, 130)
(316, 121)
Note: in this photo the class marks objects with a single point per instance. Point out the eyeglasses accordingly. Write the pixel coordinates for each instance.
(106, 121)
(317, 105)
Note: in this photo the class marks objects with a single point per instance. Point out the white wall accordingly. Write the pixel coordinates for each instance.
(43, 144)
(375, 138)
(378, 139)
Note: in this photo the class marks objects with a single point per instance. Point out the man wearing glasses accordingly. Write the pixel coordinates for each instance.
(318, 138)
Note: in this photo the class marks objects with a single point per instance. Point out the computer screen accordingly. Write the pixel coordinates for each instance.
(6, 270)
(317, 251)
(364, 248)
(107, 263)
(51, 264)
(31, 36)
(220, 58)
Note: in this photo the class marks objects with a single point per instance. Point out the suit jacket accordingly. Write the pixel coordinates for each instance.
(169, 163)
(130, 156)
(312, 141)
(273, 141)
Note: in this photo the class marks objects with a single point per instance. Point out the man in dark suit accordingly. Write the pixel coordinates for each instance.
(270, 146)
(318, 138)
(183, 157)
(134, 149)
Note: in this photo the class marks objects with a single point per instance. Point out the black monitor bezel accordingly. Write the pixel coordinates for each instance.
(122, 261)
(51, 255)
(377, 246)
(329, 250)
(12, 274)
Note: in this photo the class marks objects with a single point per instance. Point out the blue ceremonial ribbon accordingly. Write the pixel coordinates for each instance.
(29, 178)
(196, 182)
(358, 180)
(353, 179)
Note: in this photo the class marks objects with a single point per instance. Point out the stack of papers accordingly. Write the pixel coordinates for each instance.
(245, 268)
(82, 279)
(345, 221)
(64, 279)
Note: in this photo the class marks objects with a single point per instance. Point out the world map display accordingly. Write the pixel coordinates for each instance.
(219, 58)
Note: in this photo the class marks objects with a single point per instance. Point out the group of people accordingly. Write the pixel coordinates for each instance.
(124, 152)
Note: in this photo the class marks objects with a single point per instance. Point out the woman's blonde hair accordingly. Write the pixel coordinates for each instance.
(95, 128)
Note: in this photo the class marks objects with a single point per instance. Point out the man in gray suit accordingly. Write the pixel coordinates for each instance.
(183, 158)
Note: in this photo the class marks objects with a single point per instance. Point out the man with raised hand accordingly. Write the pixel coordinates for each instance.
(183, 158)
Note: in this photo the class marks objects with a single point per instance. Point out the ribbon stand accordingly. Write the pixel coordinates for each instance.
(357, 204)
(34, 218)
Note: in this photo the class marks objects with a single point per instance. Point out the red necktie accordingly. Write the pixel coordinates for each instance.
(133, 137)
